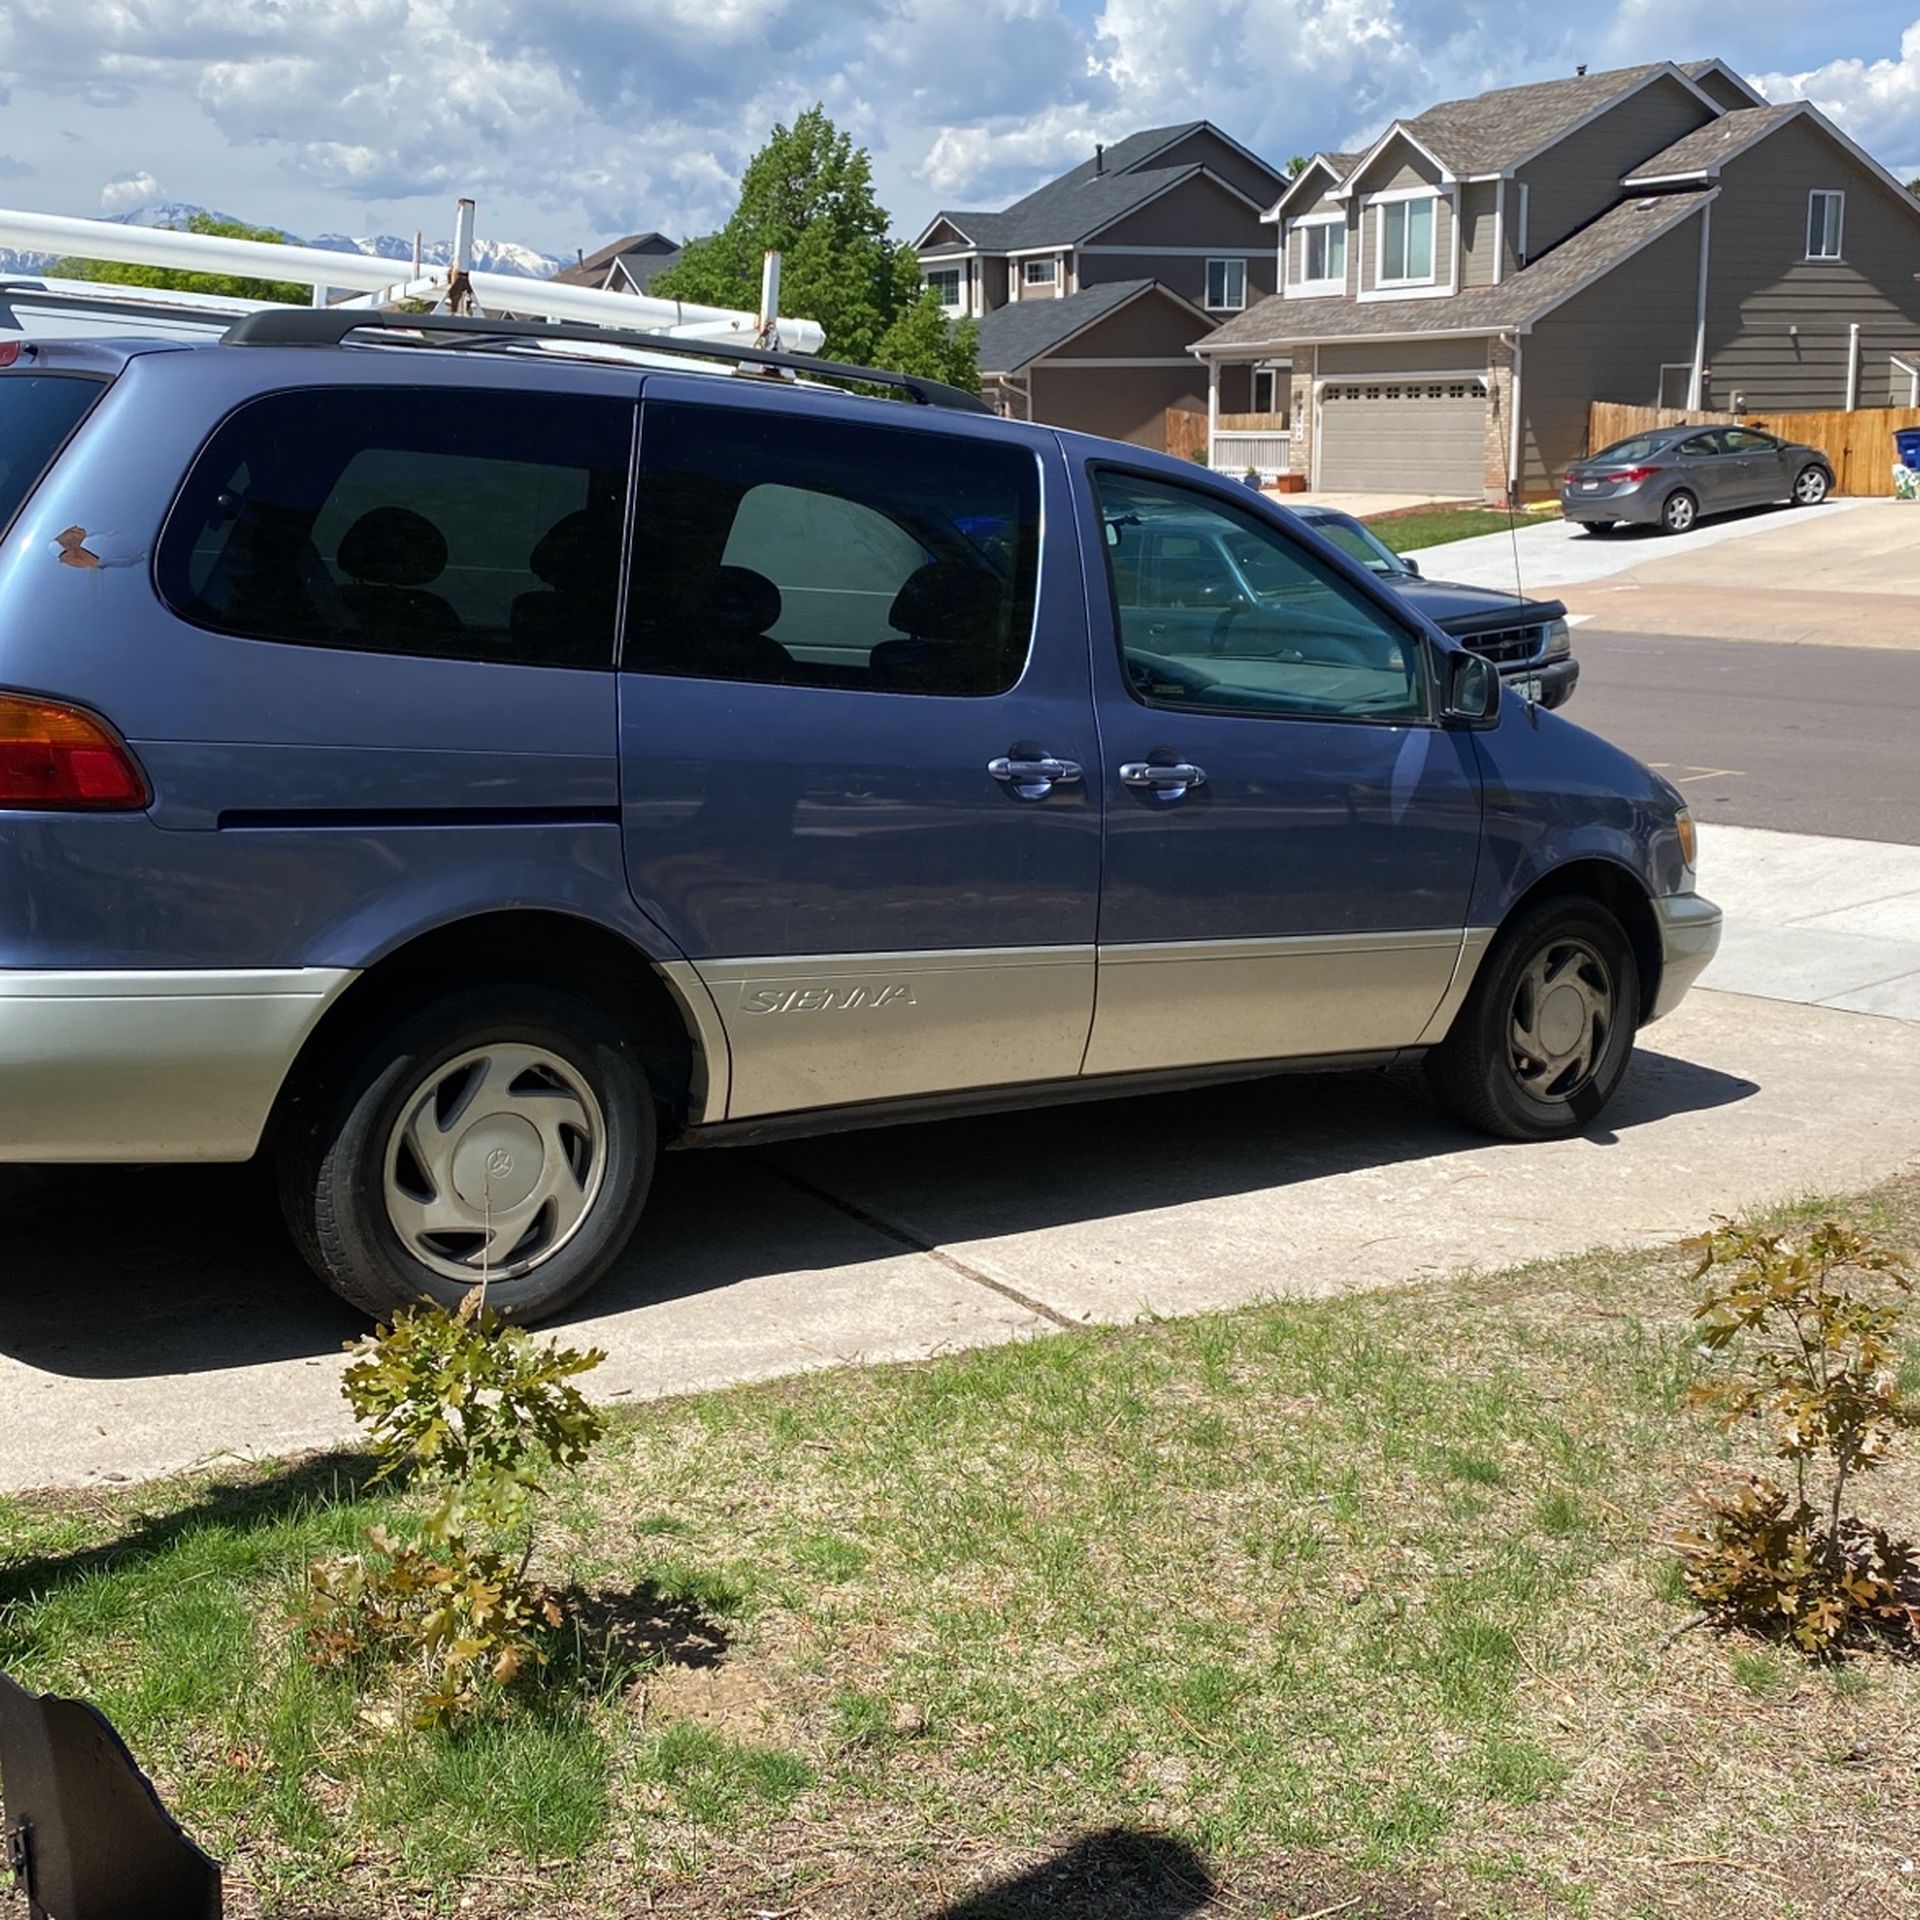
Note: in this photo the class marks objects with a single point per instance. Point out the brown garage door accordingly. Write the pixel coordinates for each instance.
(1417, 436)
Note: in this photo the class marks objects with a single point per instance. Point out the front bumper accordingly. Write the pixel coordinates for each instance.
(1555, 680)
(150, 1066)
(1689, 938)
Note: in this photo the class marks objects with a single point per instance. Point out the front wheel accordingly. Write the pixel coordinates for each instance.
(504, 1136)
(1680, 512)
(1811, 487)
(1545, 1037)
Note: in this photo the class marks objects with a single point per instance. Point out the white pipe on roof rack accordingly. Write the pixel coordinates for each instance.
(365, 273)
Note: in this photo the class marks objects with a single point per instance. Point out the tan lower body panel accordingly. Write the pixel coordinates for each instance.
(826, 1030)
(1201, 1002)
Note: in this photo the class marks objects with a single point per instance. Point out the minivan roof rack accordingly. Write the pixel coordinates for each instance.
(331, 326)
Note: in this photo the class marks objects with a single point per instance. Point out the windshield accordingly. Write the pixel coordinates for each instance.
(1643, 446)
(1359, 542)
(37, 412)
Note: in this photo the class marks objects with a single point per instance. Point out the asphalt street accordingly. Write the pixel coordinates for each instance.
(1805, 739)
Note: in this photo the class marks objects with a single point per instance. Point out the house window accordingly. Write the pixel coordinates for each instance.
(1826, 213)
(1323, 254)
(1406, 242)
(945, 281)
(1041, 273)
(1263, 390)
(1226, 285)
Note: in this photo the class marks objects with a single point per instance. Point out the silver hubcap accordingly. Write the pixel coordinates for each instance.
(1562, 1019)
(1680, 513)
(496, 1159)
(1811, 488)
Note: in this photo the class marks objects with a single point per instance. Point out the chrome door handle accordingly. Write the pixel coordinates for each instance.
(1168, 783)
(1034, 779)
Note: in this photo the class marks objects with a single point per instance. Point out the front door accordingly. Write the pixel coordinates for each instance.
(1290, 839)
(858, 761)
(1761, 460)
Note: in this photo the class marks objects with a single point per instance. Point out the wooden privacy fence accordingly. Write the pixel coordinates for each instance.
(1187, 429)
(1859, 445)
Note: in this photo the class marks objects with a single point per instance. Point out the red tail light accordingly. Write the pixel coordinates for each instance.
(1631, 474)
(59, 759)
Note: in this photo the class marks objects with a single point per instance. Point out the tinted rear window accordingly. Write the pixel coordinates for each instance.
(1641, 447)
(37, 412)
(460, 524)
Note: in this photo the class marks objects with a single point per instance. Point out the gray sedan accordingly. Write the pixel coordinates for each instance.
(1674, 476)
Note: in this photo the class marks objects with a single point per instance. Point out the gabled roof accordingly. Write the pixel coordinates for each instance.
(1023, 331)
(1515, 304)
(1332, 167)
(1699, 154)
(1092, 195)
(1699, 71)
(641, 256)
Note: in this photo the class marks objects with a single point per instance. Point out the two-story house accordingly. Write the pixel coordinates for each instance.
(1090, 291)
(627, 266)
(1453, 299)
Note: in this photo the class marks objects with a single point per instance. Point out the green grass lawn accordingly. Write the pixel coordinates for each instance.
(1430, 526)
(1355, 1605)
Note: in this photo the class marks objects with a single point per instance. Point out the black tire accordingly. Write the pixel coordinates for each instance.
(1811, 485)
(1476, 1070)
(1679, 512)
(332, 1160)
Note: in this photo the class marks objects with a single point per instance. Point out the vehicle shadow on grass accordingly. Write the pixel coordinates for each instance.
(145, 1272)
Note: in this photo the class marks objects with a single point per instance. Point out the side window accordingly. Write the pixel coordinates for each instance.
(1702, 446)
(1260, 626)
(458, 524)
(1744, 440)
(815, 553)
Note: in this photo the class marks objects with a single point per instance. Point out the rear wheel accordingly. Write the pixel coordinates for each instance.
(1811, 487)
(504, 1135)
(1679, 512)
(1545, 1037)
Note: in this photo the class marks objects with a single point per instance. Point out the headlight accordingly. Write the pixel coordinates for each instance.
(1559, 638)
(1689, 839)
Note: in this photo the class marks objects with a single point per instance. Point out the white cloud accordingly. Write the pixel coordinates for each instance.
(125, 191)
(1876, 101)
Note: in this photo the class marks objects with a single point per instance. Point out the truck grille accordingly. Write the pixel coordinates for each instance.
(1507, 646)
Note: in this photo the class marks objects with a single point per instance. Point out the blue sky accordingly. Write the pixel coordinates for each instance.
(574, 120)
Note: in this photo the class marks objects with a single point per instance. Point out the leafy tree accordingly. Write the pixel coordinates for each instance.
(1296, 166)
(809, 193)
(125, 273)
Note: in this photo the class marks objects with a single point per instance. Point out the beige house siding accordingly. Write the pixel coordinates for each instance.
(1399, 164)
(1607, 343)
(1576, 180)
(1391, 357)
(943, 233)
(1760, 283)
(1366, 244)
(1122, 404)
(1206, 149)
(1479, 224)
(1017, 288)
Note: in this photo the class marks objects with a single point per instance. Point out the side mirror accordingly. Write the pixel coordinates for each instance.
(1411, 564)
(1473, 691)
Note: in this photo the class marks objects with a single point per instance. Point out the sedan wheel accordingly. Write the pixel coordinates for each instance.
(1546, 1035)
(1811, 487)
(1680, 512)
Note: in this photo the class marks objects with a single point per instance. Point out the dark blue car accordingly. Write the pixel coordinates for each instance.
(455, 768)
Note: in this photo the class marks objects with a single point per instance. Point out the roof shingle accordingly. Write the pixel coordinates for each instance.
(1705, 147)
(1024, 330)
(1493, 130)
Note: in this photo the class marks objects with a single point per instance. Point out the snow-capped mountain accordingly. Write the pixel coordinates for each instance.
(489, 256)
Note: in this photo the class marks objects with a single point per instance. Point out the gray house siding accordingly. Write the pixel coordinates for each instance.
(1720, 88)
(1185, 273)
(1760, 283)
(1606, 344)
(1479, 224)
(1392, 357)
(1198, 212)
(1202, 148)
(994, 282)
(1578, 179)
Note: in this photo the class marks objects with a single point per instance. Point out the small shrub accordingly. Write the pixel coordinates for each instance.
(1810, 1331)
(478, 1414)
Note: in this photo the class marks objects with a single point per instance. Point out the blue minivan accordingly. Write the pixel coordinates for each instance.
(454, 758)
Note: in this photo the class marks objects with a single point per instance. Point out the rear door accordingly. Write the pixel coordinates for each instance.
(859, 781)
(1291, 840)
